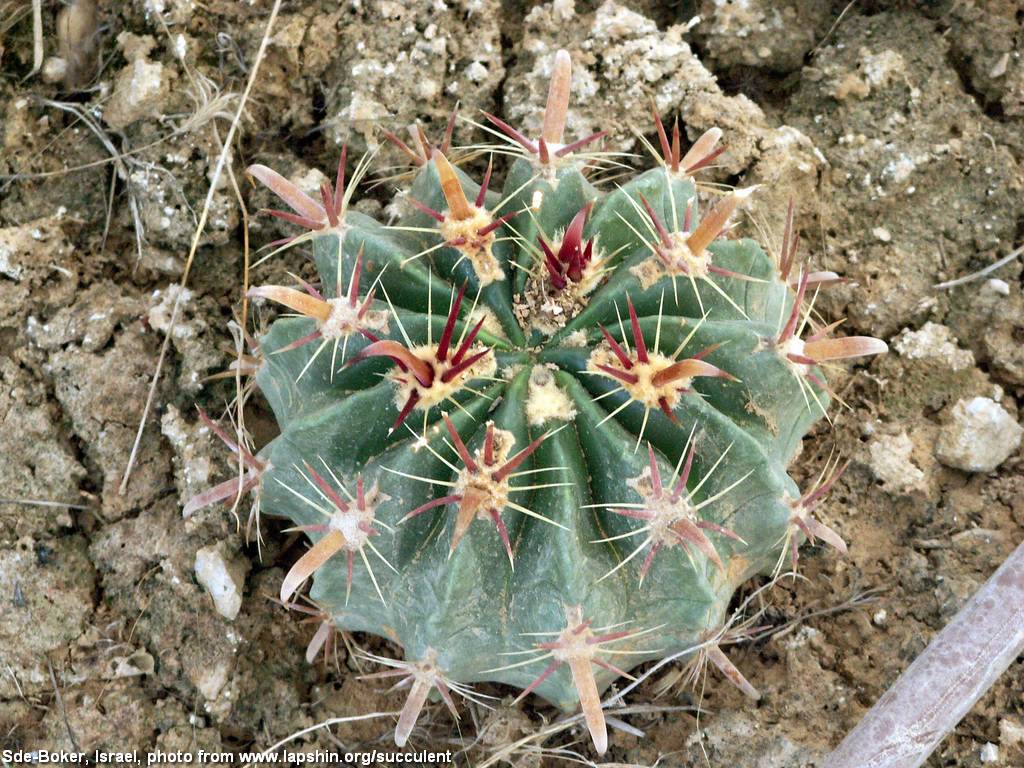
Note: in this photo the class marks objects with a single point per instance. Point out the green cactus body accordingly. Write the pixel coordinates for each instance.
(547, 454)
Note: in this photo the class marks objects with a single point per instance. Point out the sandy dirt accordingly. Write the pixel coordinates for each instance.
(897, 126)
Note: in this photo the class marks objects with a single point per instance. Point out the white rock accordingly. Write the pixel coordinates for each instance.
(223, 577)
(139, 91)
(881, 68)
(989, 753)
(477, 72)
(563, 9)
(54, 69)
(309, 180)
(160, 314)
(1011, 732)
(800, 638)
(997, 286)
(138, 663)
(211, 680)
(933, 342)
(890, 461)
(980, 437)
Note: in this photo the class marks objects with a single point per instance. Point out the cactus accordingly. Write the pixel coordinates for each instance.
(538, 437)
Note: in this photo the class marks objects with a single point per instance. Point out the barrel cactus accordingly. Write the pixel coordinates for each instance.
(538, 436)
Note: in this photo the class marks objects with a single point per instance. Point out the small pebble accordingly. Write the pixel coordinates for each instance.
(989, 753)
(223, 577)
(882, 234)
(1011, 732)
(55, 69)
(995, 285)
(1000, 67)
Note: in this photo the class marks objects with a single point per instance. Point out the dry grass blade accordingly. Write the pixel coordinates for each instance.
(240, 398)
(210, 104)
(59, 698)
(43, 503)
(200, 226)
(324, 724)
(982, 272)
(37, 36)
(11, 14)
(120, 167)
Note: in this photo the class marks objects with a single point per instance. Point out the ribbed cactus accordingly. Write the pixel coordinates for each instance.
(540, 436)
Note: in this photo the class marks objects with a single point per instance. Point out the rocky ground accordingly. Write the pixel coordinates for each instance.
(896, 125)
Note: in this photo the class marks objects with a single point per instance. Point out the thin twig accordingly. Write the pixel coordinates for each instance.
(202, 101)
(832, 29)
(240, 347)
(10, 178)
(37, 36)
(982, 272)
(61, 707)
(214, 183)
(110, 211)
(326, 723)
(120, 167)
(43, 503)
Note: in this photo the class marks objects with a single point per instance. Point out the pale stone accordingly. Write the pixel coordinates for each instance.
(933, 342)
(890, 461)
(997, 286)
(1011, 732)
(139, 91)
(980, 436)
(477, 72)
(212, 680)
(223, 577)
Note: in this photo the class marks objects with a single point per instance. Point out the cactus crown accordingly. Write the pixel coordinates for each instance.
(538, 436)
